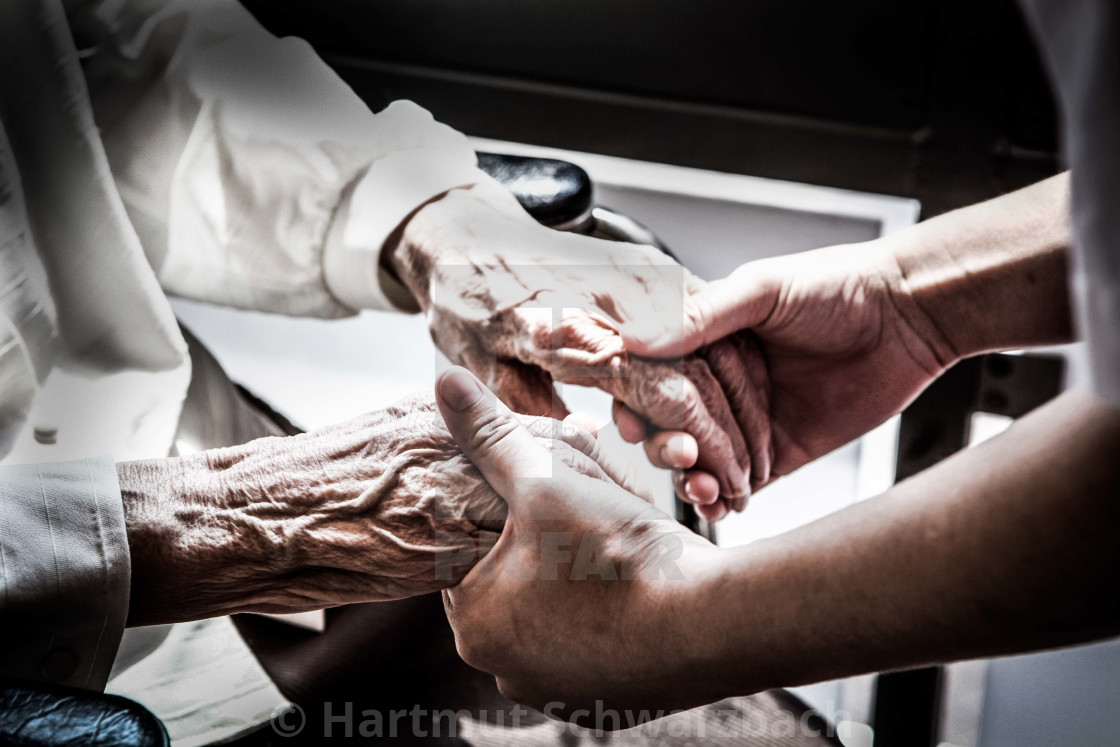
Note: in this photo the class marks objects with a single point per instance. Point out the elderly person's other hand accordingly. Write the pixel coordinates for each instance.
(378, 508)
(587, 584)
(523, 306)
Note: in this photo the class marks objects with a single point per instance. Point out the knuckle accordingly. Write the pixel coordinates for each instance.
(419, 402)
(579, 439)
(698, 315)
(658, 395)
(537, 425)
(492, 428)
(681, 403)
(574, 460)
(720, 354)
(560, 450)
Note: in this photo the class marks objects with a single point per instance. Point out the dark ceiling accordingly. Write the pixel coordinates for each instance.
(943, 101)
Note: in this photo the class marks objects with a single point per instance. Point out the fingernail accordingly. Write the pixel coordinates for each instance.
(739, 502)
(459, 389)
(682, 450)
(666, 455)
(688, 494)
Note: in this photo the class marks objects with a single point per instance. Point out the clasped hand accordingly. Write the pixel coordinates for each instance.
(524, 306)
(810, 350)
(378, 508)
(732, 384)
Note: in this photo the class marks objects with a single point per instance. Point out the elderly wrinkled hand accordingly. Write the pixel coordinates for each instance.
(523, 306)
(378, 508)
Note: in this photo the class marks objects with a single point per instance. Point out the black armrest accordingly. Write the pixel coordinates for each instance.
(557, 193)
(37, 715)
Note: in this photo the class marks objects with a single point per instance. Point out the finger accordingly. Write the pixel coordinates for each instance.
(700, 487)
(526, 389)
(583, 420)
(691, 402)
(619, 472)
(671, 450)
(588, 345)
(490, 435)
(739, 503)
(579, 342)
(702, 491)
(704, 494)
(728, 458)
(743, 299)
(687, 400)
(605, 470)
(759, 372)
(631, 427)
(714, 512)
(578, 461)
(734, 361)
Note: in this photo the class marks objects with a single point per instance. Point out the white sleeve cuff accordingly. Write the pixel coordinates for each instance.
(66, 571)
(392, 188)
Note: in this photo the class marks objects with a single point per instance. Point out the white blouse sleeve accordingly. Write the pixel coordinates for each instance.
(236, 151)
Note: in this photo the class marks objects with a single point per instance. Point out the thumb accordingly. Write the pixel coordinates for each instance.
(490, 435)
(719, 309)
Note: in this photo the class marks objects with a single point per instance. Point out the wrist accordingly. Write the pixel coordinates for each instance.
(446, 230)
(414, 248)
(188, 558)
(992, 276)
(707, 631)
(925, 294)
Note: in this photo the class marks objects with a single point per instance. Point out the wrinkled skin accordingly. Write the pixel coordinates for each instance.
(523, 306)
(835, 346)
(378, 508)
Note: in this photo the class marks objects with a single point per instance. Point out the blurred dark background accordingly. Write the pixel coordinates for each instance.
(943, 101)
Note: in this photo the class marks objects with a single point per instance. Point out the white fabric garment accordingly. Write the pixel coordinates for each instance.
(1080, 41)
(151, 146)
(233, 149)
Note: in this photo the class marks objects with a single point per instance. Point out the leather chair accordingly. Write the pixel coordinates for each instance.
(36, 715)
(560, 195)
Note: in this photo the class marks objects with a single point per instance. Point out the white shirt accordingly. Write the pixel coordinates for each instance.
(151, 146)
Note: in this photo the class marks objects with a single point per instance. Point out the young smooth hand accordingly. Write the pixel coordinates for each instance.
(812, 350)
(815, 349)
(576, 600)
